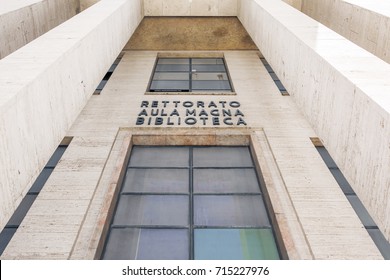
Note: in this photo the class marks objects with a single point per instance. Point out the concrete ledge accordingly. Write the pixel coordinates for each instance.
(366, 23)
(343, 91)
(190, 7)
(23, 21)
(45, 85)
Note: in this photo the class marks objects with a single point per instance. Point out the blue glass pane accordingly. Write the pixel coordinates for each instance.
(234, 244)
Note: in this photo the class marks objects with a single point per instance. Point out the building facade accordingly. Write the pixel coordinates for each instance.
(225, 128)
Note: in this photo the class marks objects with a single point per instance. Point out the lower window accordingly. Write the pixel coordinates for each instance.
(190, 203)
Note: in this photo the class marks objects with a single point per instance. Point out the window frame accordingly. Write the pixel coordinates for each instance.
(191, 90)
(192, 194)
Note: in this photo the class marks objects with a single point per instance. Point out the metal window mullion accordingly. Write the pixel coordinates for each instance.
(190, 78)
(227, 74)
(191, 190)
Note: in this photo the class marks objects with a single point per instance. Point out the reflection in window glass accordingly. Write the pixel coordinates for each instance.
(146, 210)
(147, 180)
(232, 180)
(222, 157)
(167, 157)
(230, 210)
(235, 244)
(170, 86)
(207, 61)
(147, 244)
(168, 76)
(210, 85)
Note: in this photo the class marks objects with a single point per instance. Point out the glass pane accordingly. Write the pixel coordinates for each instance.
(5, 237)
(122, 244)
(343, 183)
(147, 244)
(222, 157)
(215, 76)
(234, 244)
(326, 157)
(149, 210)
(207, 61)
(163, 244)
(361, 211)
(280, 85)
(269, 68)
(274, 77)
(170, 85)
(381, 242)
(40, 181)
(208, 68)
(157, 180)
(172, 68)
(55, 158)
(225, 181)
(102, 84)
(211, 85)
(173, 61)
(171, 76)
(22, 210)
(159, 157)
(230, 210)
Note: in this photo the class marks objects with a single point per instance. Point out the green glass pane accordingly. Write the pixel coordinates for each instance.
(235, 244)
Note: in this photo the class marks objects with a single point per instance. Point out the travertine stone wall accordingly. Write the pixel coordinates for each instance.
(23, 21)
(366, 23)
(190, 7)
(342, 90)
(316, 219)
(46, 84)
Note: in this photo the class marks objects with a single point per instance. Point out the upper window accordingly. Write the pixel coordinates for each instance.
(190, 75)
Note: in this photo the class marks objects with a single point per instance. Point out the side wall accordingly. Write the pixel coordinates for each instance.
(46, 84)
(342, 90)
(20, 25)
(356, 21)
